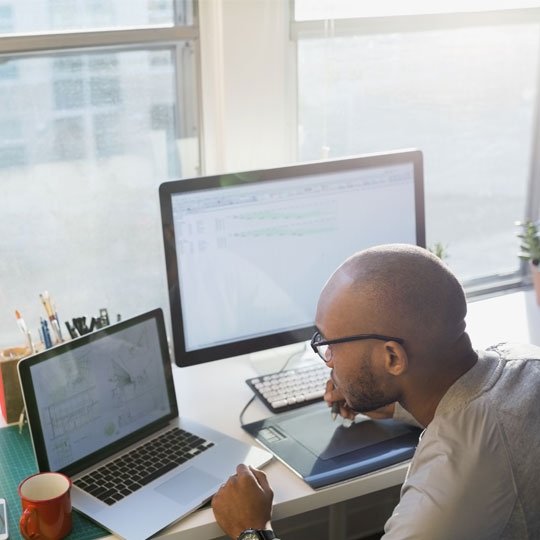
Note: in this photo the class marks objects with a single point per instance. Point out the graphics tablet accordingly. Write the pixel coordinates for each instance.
(325, 452)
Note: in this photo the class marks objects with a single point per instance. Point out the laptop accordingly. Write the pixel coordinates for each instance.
(106, 401)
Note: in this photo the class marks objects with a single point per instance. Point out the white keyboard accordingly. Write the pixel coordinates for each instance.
(291, 388)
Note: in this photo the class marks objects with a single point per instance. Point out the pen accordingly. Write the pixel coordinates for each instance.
(24, 330)
(335, 409)
(56, 328)
(51, 314)
(44, 301)
(21, 419)
(46, 335)
(72, 332)
(57, 321)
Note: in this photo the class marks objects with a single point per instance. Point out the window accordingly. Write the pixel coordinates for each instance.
(92, 123)
(8, 70)
(462, 88)
(104, 90)
(108, 138)
(69, 94)
(55, 15)
(6, 18)
(69, 138)
(12, 155)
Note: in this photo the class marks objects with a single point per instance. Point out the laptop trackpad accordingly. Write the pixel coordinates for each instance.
(180, 488)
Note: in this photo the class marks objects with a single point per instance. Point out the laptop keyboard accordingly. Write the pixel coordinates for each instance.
(291, 388)
(115, 480)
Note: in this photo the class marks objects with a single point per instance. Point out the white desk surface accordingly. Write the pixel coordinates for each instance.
(512, 317)
(215, 394)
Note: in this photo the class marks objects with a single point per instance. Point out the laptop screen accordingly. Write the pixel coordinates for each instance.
(99, 390)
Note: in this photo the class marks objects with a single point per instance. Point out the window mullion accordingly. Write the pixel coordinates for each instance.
(32, 43)
(413, 23)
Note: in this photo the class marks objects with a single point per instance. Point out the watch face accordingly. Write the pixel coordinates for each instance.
(249, 536)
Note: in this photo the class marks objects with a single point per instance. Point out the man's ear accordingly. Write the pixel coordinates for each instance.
(396, 361)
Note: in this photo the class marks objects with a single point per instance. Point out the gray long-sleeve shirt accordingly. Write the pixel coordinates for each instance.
(476, 471)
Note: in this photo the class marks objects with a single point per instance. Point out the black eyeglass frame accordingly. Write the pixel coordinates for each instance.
(359, 337)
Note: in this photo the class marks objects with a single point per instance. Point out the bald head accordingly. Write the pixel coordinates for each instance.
(401, 291)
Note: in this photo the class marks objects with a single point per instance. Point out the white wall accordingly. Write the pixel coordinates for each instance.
(248, 113)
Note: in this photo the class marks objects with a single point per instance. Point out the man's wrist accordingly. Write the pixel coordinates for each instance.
(257, 534)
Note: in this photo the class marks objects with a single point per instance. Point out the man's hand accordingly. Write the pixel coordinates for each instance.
(244, 502)
(333, 395)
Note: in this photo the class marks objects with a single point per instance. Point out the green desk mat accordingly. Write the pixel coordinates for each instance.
(16, 463)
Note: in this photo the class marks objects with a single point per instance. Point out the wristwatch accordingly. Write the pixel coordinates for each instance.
(257, 534)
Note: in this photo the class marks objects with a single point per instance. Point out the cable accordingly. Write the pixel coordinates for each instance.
(241, 416)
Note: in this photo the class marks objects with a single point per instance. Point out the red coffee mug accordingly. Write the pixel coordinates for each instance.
(46, 504)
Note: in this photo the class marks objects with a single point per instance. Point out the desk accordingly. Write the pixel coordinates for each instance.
(512, 317)
(201, 391)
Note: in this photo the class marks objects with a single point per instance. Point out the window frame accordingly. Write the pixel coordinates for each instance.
(83, 41)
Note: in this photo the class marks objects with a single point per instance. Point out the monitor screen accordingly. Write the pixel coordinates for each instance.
(247, 254)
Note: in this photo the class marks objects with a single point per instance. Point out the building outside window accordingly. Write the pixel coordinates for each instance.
(81, 153)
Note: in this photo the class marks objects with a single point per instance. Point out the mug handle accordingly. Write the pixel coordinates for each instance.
(29, 523)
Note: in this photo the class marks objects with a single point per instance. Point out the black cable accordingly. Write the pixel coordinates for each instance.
(241, 416)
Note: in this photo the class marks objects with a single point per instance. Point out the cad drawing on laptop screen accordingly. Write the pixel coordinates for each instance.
(247, 254)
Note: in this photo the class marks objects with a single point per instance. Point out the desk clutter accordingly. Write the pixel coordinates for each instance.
(50, 334)
(11, 399)
(50, 331)
(18, 462)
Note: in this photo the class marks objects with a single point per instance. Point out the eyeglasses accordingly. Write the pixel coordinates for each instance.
(321, 345)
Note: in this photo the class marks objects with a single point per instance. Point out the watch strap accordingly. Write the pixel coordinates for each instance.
(261, 534)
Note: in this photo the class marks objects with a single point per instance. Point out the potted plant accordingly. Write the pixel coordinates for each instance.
(529, 247)
(440, 250)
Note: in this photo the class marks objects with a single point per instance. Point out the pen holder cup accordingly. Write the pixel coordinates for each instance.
(11, 399)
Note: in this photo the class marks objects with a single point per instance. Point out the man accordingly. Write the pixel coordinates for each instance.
(474, 472)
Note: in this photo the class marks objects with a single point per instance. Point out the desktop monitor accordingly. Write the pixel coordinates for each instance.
(248, 253)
